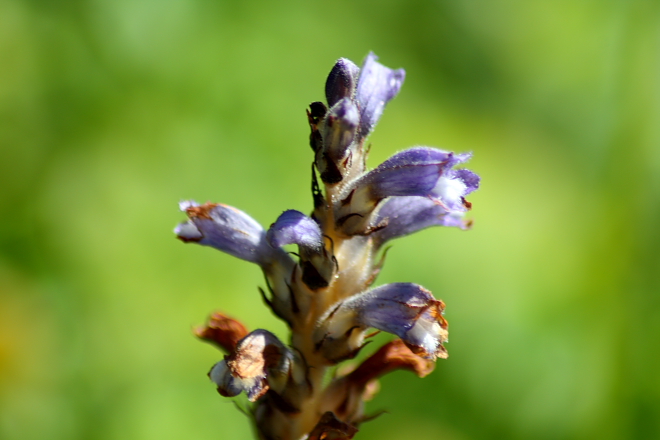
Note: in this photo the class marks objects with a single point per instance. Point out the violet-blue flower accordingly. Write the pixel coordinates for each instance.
(324, 291)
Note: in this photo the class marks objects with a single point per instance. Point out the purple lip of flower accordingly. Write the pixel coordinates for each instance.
(294, 227)
(405, 215)
(377, 86)
(325, 295)
(227, 229)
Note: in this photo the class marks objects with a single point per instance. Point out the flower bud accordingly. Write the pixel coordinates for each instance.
(342, 81)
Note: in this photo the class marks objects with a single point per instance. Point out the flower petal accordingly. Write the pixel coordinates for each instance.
(256, 357)
(339, 128)
(376, 87)
(294, 227)
(223, 331)
(408, 311)
(412, 172)
(403, 309)
(420, 156)
(228, 385)
(452, 188)
(394, 355)
(470, 179)
(405, 215)
(225, 228)
(236, 233)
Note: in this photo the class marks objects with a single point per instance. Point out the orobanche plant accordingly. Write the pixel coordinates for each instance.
(325, 294)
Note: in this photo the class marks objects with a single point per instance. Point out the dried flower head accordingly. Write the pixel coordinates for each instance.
(326, 295)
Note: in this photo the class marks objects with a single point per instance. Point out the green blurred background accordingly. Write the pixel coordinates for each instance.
(111, 111)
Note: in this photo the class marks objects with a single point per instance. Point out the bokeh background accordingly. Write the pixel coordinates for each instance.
(111, 111)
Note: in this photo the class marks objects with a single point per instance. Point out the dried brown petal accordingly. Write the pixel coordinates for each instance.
(394, 355)
(223, 331)
(257, 359)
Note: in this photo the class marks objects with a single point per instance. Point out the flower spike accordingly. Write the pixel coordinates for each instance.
(325, 290)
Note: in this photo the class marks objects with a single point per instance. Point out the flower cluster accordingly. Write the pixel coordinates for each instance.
(325, 294)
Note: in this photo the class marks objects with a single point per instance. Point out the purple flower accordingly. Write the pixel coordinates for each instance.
(294, 227)
(405, 215)
(325, 294)
(404, 309)
(227, 229)
(236, 233)
(422, 172)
